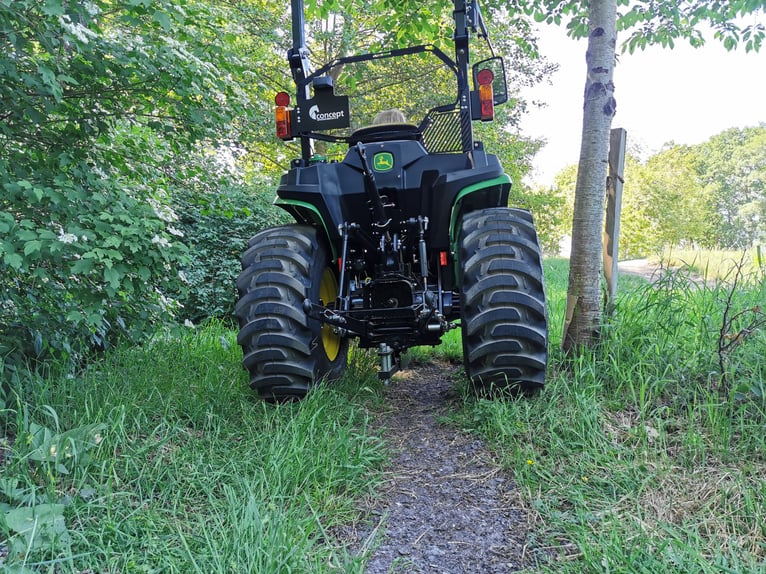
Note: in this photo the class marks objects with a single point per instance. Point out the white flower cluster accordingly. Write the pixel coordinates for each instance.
(163, 212)
(92, 9)
(161, 241)
(67, 237)
(76, 29)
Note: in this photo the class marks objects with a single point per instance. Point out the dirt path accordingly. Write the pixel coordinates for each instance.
(447, 506)
(653, 272)
(642, 267)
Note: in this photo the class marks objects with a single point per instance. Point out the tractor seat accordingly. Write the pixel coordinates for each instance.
(384, 132)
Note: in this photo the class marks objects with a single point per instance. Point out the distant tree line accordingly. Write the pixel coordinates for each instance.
(709, 195)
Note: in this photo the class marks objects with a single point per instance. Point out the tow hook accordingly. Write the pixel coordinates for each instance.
(389, 363)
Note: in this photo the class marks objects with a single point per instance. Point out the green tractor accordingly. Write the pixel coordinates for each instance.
(405, 236)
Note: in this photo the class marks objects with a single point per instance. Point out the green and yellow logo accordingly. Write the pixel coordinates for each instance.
(383, 161)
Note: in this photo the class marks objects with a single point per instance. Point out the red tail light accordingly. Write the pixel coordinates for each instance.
(486, 95)
(282, 116)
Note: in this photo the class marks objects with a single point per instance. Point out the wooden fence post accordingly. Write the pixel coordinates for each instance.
(614, 181)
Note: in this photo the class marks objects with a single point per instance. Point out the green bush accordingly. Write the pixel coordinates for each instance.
(81, 259)
(216, 229)
(101, 103)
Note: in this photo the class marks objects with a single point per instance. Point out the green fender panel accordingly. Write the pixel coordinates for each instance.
(307, 213)
(457, 210)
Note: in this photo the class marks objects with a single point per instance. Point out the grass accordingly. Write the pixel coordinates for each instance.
(641, 455)
(716, 264)
(187, 472)
(644, 454)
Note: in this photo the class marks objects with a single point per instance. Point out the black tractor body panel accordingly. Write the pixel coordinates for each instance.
(402, 237)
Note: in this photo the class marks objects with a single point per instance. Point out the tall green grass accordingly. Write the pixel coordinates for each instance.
(188, 472)
(716, 264)
(641, 455)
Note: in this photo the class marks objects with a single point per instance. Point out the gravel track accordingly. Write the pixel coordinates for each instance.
(446, 507)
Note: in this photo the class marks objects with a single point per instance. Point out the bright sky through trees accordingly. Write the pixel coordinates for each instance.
(683, 94)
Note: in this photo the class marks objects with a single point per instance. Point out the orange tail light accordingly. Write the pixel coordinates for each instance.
(282, 116)
(486, 95)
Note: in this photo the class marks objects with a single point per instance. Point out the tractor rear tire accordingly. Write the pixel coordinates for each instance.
(504, 319)
(284, 350)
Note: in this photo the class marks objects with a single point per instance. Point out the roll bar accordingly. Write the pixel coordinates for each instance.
(467, 18)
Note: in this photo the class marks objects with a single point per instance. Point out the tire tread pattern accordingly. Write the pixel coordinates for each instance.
(279, 342)
(503, 314)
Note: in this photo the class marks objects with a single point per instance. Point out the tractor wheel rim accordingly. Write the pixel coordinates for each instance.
(328, 291)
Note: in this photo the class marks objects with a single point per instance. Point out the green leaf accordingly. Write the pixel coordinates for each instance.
(26, 235)
(13, 260)
(82, 266)
(31, 247)
(25, 520)
(112, 276)
(49, 79)
(74, 316)
(64, 78)
(144, 273)
(53, 8)
(162, 19)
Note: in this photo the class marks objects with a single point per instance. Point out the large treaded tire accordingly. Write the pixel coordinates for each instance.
(284, 351)
(504, 320)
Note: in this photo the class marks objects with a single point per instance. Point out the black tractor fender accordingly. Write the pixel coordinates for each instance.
(480, 195)
(308, 214)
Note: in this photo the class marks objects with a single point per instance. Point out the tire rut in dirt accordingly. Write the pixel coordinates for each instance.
(447, 506)
(284, 351)
(503, 315)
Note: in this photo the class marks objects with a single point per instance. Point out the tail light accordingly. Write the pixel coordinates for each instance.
(282, 116)
(486, 96)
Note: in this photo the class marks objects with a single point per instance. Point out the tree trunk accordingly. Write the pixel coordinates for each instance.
(583, 316)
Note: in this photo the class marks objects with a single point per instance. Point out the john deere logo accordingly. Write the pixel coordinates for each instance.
(383, 161)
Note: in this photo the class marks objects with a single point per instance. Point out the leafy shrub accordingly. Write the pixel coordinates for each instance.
(216, 228)
(81, 259)
(98, 102)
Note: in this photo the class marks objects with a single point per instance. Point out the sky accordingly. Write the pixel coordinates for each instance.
(682, 95)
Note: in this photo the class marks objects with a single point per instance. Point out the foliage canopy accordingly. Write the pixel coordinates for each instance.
(132, 132)
(97, 101)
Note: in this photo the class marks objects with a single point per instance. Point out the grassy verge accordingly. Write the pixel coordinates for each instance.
(716, 264)
(158, 459)
(644, 455)
(647, 453)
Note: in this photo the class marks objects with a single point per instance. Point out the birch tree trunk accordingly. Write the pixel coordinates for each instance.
(583, 315)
